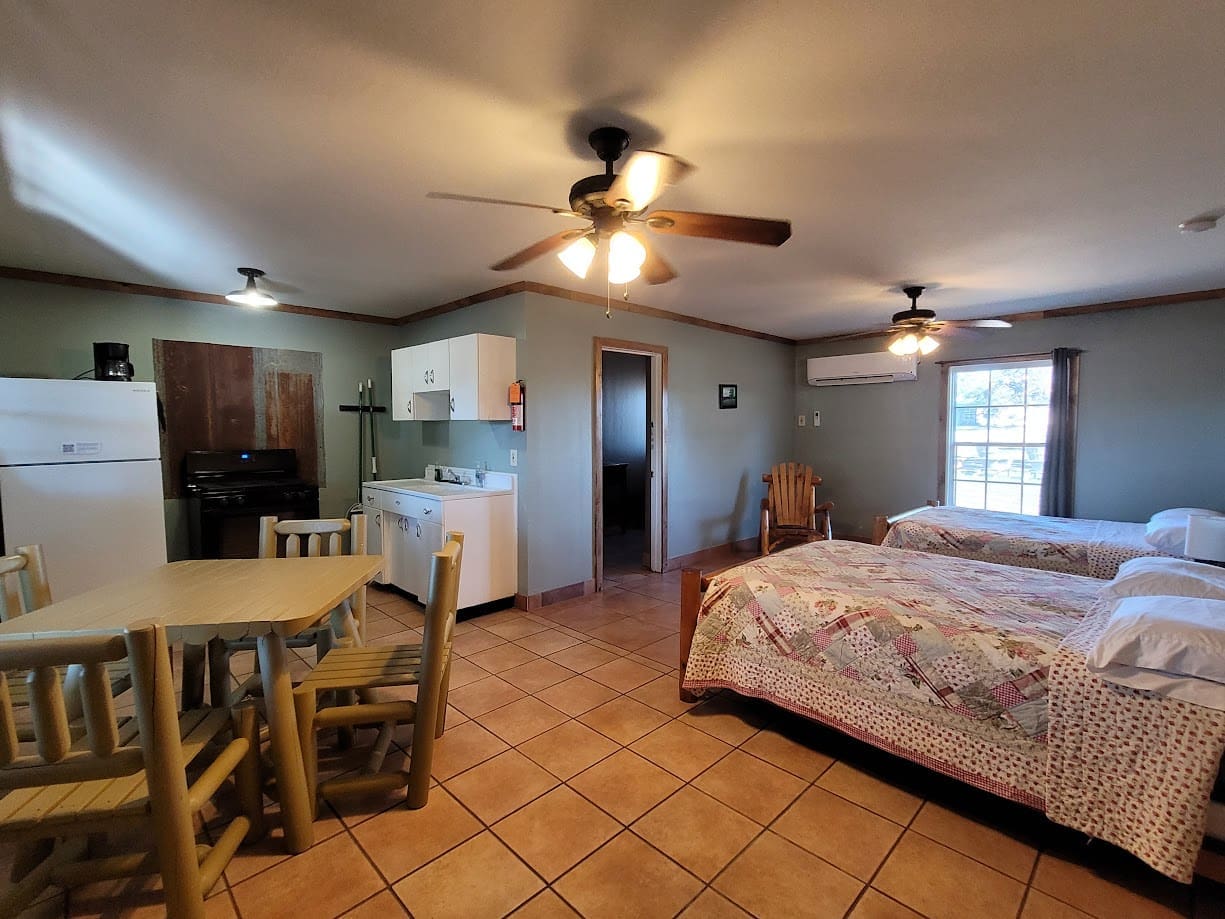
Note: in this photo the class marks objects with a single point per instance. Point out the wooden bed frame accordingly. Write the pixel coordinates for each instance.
(881, 523)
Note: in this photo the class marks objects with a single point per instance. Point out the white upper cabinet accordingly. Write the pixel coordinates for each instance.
(401, 384)
(433, 367)
(482, 369)
(461, 379)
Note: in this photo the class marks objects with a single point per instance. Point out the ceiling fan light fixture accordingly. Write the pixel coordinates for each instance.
(904, 344)
(643, 179)
(927, 344)
(626, 256)
(578, 256)
(250, 294)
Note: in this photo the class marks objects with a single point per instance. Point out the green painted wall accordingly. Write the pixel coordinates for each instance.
(48, 330)
(715, 458)
(1151, 428)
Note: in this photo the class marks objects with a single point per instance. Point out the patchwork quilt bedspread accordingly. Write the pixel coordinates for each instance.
(1093, 548)
(948, 662)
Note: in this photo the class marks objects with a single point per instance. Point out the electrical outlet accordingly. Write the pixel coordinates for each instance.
(816, 419)
(801, 421)
(514, 457)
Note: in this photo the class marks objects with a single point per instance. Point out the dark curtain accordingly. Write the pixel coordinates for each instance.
(1059, 469)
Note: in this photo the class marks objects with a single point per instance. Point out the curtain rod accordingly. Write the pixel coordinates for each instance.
(1003, 357)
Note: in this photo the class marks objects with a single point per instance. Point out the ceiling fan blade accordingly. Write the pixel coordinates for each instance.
(537, 249)
(645, 176)
(447, 196)
(656, 270)
(721, 226)
(979, 323)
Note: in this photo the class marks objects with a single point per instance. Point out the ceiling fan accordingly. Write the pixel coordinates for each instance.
(913, 329)
(615, 205)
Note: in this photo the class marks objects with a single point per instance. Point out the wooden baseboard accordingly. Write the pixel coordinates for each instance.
(532, 602)
(695, 559)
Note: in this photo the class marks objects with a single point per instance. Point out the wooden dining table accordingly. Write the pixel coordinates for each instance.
(268, 599)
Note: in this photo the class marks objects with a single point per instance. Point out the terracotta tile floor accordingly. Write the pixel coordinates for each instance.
(601, 794)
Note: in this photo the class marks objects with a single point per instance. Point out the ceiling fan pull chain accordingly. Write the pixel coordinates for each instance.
(626, 296)
(607, 299)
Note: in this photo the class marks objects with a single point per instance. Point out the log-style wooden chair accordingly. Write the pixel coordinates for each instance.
(291, 539)
(122, 773)
(789, 512)
(24, 588)
(363, 671)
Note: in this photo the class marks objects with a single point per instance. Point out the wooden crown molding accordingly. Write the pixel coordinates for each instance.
(174, 293)
(564, 293)
(1191, 296)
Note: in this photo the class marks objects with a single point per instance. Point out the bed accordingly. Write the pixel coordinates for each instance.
(972, 669)
(1093, 548)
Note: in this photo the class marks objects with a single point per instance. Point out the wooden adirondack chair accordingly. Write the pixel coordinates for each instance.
(789, 512)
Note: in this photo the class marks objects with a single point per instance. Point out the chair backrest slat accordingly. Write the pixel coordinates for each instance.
(56, 758)
(98, 708)
(51, 734)
(791, 497)
(293, 531)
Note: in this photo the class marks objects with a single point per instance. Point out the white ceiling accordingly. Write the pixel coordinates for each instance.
(1018, 155)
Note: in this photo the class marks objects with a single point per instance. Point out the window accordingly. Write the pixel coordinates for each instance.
(996, 446)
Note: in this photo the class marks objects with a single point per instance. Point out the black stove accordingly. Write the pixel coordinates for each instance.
(231, 489)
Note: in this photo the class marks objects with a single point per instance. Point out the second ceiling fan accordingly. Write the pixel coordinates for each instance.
(615, 205)
(913, 329)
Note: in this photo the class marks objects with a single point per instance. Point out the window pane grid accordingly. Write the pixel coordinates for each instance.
(997, 441)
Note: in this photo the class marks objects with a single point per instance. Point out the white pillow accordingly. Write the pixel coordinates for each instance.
(1167, 531)
(1179, 513)
(1156, 575)
(1174, 646)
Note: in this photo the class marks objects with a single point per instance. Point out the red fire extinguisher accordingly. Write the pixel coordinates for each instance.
(517, 397)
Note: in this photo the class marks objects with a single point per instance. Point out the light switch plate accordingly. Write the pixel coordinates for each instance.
(514, 457)
(816, 419)
(801, 421)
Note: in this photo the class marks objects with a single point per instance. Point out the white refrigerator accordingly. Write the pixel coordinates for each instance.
(80, 473)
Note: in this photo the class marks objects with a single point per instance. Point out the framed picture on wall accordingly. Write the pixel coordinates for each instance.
(727, 395)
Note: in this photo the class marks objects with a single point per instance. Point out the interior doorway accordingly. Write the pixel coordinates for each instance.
(628, 469)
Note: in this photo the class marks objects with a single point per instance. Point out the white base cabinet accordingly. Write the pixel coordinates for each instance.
(414, 524)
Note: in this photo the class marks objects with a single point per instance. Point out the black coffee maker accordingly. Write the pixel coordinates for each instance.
(111, 361)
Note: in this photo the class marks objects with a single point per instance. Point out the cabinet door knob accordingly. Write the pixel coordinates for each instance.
(418, 530)
(452, 403)
(427, 511)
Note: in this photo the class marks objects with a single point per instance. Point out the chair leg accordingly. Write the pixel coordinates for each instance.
(444, 689)
(193, 676)
(247, 776)
(28, 856)
(419, 769)
(765, 531)
(219, 673)
(304, 709)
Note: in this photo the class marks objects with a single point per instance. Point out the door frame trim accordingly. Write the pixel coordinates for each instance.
(655, 353)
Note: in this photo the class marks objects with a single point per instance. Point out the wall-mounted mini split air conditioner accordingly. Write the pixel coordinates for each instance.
(872, 367)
